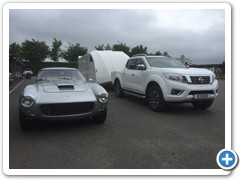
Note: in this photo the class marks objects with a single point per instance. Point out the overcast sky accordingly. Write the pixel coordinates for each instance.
(198, 34)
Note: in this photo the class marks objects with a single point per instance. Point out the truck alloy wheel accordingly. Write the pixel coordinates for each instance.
(155, 99)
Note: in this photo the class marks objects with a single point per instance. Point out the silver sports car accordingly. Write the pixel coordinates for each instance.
(61, 94)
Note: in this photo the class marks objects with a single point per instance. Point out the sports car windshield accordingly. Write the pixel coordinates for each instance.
(53, 75)
(164, 62)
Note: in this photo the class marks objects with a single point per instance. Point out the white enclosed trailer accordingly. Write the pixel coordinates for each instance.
(98, 65)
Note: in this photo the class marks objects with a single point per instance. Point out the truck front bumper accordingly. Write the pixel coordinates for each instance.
(183, 92)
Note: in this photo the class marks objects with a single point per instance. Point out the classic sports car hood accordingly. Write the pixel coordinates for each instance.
(57, 86)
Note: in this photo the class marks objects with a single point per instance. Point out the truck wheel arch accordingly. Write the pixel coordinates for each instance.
(150, 84)
(156, 80)
(115, 80)
(154, 83)
(154, 97)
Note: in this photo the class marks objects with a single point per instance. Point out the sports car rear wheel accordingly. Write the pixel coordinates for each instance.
(25, 123)
(101, 117)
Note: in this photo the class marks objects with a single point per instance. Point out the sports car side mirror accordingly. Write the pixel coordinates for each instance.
(90, 80)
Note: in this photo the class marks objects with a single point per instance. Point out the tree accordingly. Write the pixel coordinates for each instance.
(102, 47)
(56, 49)
(108, 47)
(14, 50)
(158, 53)
(99, 47)
(166, 54)
(139, 50)
(121, 47)
(73, 51)
(34, 51)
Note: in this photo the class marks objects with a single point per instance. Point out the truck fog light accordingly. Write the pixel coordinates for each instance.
(176, 92)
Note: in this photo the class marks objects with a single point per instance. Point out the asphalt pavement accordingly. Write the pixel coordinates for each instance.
(133, 137)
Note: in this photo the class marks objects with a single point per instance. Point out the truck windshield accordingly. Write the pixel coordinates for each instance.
(164, 62)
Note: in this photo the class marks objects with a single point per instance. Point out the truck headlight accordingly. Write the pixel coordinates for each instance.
(103, 97)
(27, 101)
(175, 77)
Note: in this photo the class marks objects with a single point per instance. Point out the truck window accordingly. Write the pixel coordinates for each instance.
(131, 64)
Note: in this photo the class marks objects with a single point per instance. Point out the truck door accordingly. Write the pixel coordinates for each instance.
(139, 76)
(128, 75)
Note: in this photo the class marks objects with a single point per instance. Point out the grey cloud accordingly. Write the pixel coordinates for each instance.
(203, 42)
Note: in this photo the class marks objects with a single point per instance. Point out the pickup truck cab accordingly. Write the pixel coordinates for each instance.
(162, 80)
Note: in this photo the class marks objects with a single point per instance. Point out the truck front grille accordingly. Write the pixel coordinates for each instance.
(64, 109)
(200, 79)
(201, 92)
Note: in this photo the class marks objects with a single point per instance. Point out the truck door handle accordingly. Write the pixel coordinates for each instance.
(123, 73)
(133, 74)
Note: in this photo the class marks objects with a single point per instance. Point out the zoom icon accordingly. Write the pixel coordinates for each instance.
(227, 159)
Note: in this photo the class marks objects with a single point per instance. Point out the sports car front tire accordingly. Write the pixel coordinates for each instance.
(25, 124)
(101, 117)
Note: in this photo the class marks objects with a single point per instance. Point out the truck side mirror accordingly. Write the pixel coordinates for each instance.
(140, 67)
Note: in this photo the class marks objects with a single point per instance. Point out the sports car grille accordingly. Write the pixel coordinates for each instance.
(200, 79)
(66, 109)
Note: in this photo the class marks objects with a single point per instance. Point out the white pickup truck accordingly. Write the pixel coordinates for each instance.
(162, 79)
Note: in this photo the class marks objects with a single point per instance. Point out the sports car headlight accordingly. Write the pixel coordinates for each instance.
(213, 78)
(175, 77)
(103, 97)
(27, 101)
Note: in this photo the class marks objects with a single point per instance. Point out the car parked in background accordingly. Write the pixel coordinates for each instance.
(10, 78)
(61, 94)
(162, 80)
(27, 73)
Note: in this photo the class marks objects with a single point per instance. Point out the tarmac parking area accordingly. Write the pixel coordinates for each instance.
(133, 137)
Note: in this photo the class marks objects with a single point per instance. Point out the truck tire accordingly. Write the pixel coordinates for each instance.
(202, 104)
(118, 89)
(155, 99)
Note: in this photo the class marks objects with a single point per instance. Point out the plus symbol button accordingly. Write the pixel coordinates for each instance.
(227, 159)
